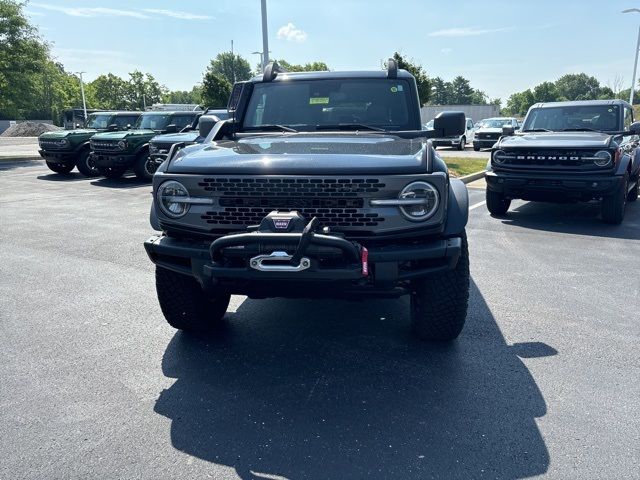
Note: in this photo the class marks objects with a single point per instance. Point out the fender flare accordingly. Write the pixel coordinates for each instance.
(627, 163)
(82, 146)
(457, 208)
(140, 148)
(153, 217)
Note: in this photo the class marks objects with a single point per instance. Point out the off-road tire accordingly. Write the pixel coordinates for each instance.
(184, 303)
(111, 172)
(497, 204)
(462, 144)
(632, 196)
(141, 166)
(614, 205)
(476, 149)
(85, 166)
(60, 167)
(439, 303)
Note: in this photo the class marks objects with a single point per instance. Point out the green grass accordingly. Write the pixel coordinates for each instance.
(461, 166)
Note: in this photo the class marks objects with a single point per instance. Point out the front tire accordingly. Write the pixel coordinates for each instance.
(476, 149)
(85, 164)
(60, 167)
(463, 142)
(633, 193)
(185, 305)
(439, 303)
(111, 172)
(614, 205)
(497, 204)
(143, 168)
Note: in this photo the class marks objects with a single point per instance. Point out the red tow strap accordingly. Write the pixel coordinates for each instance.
(365, 262)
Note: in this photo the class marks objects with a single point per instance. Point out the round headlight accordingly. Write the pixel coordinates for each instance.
(499, 156)
(420, 210)
(64, 142)
(122, 144)
(602, 158)
(168, 197)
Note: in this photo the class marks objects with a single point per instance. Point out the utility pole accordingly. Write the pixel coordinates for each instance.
(635, 63)
(233, 64)
(84, 102)
(144, 102)
(265, 35)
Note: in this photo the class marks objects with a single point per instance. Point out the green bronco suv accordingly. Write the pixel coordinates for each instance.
(66, 149)
(114, 153)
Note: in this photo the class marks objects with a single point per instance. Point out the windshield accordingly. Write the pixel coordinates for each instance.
(588, 117)
(496, 122)
(322, 104)
(99, 122)
(153, 122)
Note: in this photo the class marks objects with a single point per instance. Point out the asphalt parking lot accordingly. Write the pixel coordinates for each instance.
(542, 382)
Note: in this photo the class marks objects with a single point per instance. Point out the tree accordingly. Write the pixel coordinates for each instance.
(232, 67)
(578, 86)
(478, 97)
(307, 67)
(440, 92)
(22, 56)
(215, 90)
(109, 92)
(422, 80)
(184, 96)
(545, 92)
(519, 103)
(462, 93)
(143, 84)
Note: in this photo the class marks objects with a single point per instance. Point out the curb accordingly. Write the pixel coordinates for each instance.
(472, 177)
(17, 158)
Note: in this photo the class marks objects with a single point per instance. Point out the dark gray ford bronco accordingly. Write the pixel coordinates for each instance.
(321, 184)
(568, 151)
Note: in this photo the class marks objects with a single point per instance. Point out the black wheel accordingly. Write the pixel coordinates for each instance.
(85, 164)
(60, 167)
(476, 149)
(463, 142)
(111, 172)
(632, 196)
(497, 204)
(613, 206)
(143, 167)
(439, 303)
(185, 305)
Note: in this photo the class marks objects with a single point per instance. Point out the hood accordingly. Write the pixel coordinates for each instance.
(556, 140)
(191, 136)
(305, 155)
(121, 135)
(489, 130)
(59, 134)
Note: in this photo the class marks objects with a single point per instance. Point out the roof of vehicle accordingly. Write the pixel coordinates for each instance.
(579, 103)
(497, 118)
(178, 112)
(288, 76)
(116, 112)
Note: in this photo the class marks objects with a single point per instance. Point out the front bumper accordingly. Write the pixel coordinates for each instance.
(65, 157)
(101, 159)
(550, 187)
(484, 142)
(336, 265)
(445, 142)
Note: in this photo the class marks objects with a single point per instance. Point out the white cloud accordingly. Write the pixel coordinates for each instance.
(89, 12)
(291, 33)
(467, 31)
(446, 50)
(177, 14)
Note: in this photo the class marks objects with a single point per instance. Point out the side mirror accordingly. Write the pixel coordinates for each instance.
(173, 128)
(634, 128)
(206, 123)
(113, 127)
(77, 125)
(508, 130)
(449, 124)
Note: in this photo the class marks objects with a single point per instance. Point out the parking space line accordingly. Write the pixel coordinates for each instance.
(479, 204)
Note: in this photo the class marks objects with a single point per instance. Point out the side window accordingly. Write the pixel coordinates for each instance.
(628, 117)
(469, 124)
(122, 122)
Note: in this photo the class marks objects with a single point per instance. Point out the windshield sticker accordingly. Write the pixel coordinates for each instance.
(396, 88)
(318, 100)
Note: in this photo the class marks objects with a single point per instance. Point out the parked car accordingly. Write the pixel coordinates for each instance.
(113, 153)
(340, 196)
(569, 151)
(457, 141)
(160, 145)
(65, 149)
(491, 131)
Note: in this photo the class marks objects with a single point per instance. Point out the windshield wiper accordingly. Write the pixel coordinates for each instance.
(350, 126)
(271, 127)
(536, 130)
(582, 129)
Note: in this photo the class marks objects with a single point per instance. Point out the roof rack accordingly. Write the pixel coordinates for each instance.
(392, 68)
(271, 71)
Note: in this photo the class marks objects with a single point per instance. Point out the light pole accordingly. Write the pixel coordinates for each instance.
(635, 63)
(265, 35)
(84, 102)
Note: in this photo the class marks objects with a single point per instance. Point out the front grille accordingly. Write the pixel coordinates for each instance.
(104, 145)
(488, 136)
(51, 145)
(292, 187)
(548, 159)
(161, 148)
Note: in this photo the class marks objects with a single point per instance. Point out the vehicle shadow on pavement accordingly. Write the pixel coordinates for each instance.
(335, 390)
(13, 164)
(124, 182)
(62, 177)
(574, 218)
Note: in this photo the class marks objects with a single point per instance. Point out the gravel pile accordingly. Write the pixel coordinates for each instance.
(28, 129)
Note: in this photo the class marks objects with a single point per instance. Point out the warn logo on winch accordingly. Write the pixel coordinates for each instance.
(281, 223)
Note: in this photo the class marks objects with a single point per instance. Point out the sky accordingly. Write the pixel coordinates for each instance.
(501, 46)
